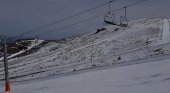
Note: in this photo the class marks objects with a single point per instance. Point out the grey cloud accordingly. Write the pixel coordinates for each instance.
(18, 16)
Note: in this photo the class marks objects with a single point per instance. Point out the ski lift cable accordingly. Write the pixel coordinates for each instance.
(135, 3)
(82, 21)
(64, 27)
(61, 20)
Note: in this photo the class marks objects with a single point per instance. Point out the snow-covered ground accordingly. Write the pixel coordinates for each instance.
(152, 77)
(145, 40)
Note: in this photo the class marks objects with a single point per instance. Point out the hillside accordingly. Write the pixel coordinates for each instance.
(20, 47)
(145, 40)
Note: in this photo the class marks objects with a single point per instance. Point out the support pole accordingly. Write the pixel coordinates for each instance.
(125, 11)
(109, 7)
(7, 84)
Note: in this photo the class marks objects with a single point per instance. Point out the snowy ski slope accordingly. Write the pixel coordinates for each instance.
(145, 40)
(151, 77)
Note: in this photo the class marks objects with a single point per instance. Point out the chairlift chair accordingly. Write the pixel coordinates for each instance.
(123, 21)
(109, 18)
(36, 38)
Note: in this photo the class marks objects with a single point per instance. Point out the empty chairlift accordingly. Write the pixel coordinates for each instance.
(124, 20)
(109, 17)
(36, 39)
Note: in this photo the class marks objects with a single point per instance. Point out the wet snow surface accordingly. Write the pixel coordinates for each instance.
(143, 41)
(152, 77)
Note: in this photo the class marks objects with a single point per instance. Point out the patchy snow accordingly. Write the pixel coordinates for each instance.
(33, 44)
(140, 42)
(91, 50)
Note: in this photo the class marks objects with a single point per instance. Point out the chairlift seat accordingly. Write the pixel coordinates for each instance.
(123, 21)
(109, 18)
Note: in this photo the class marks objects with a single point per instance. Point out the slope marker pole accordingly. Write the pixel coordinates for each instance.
(7, 84)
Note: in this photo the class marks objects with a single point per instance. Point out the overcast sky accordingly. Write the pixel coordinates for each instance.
(19, 16)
